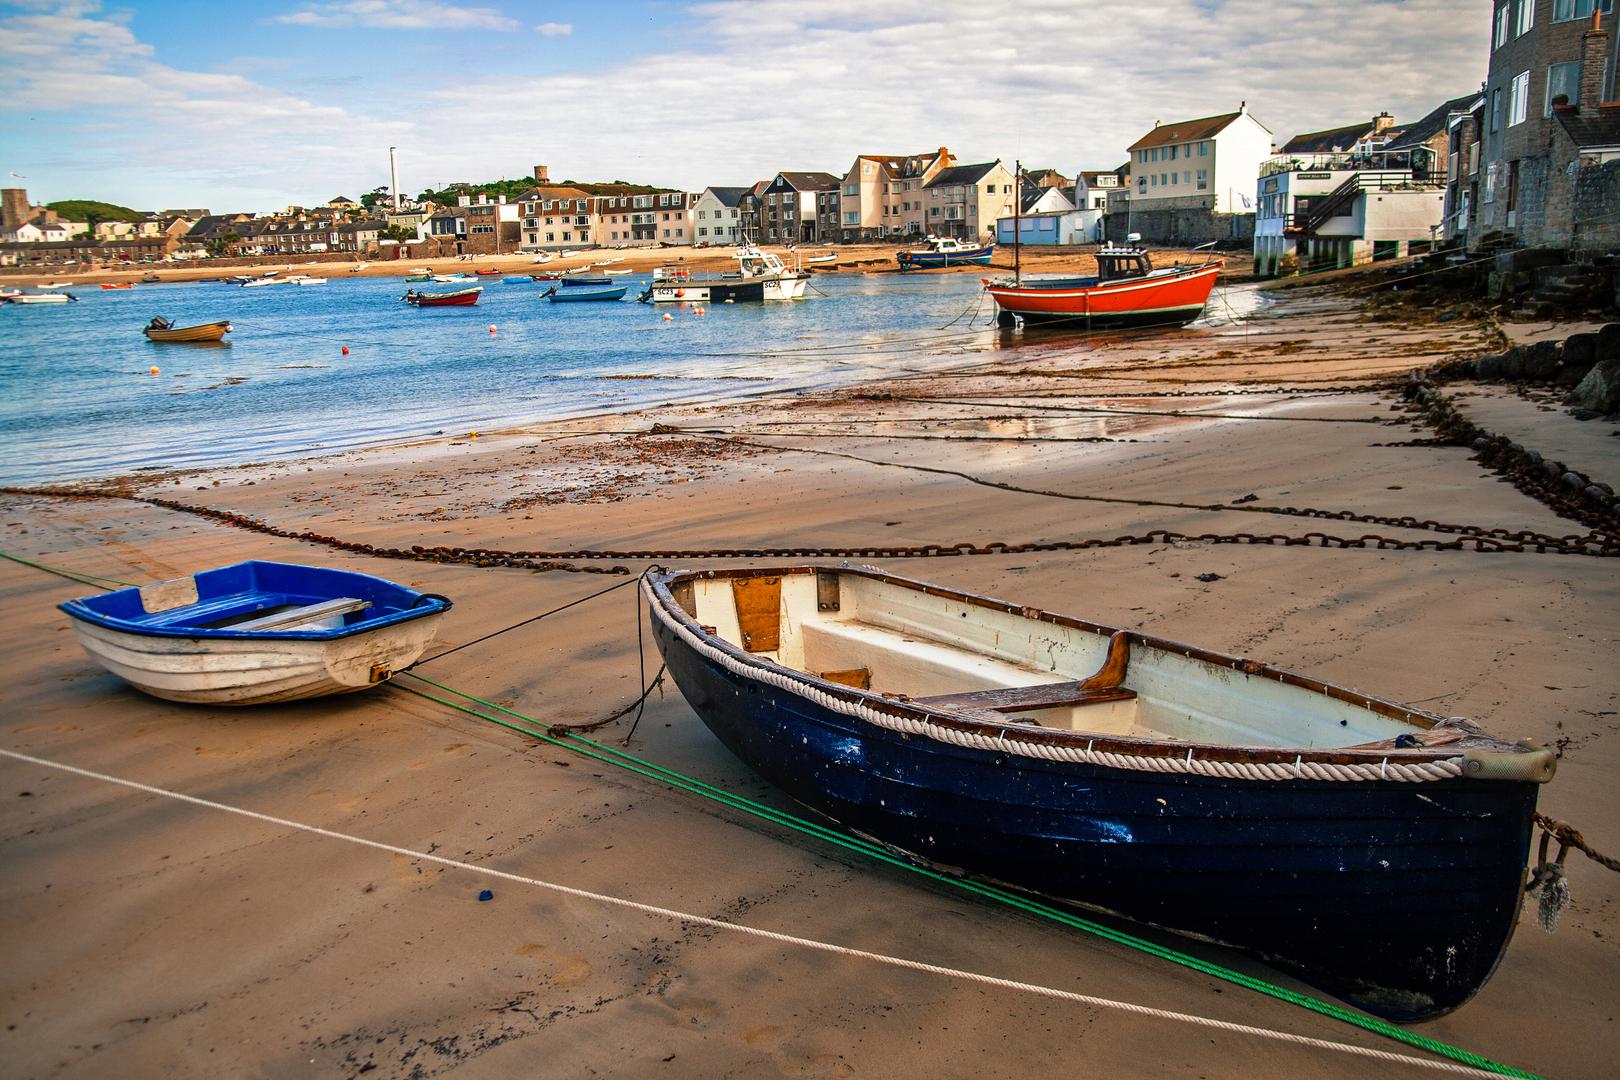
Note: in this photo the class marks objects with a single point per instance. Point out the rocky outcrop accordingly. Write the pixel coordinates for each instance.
(1598, 393)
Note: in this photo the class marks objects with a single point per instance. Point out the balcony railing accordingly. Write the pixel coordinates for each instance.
(1420, 160)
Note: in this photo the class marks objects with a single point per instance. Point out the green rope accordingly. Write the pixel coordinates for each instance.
(72, 575)
(609, 755)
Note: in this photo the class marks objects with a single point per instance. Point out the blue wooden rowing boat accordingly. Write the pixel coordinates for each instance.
(559, 296)
(524, 279)
(256, 632)
(1376, 850)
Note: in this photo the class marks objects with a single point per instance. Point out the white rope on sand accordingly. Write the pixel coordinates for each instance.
(771, 935)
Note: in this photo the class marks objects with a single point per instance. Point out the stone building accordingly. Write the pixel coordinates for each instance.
(1548, 118)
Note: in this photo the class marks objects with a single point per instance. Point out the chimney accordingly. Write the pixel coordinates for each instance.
(540, 173)
(1382, 123)
(1243, 107)
(1594, 43)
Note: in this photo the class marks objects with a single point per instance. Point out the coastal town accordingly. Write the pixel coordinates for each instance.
(1117, 580)
(1506, 165)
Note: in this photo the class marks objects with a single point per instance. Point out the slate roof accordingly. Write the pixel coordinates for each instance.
(1331, 141)
(1185, 131)
(809, 181)
(1593, 128)
(728, 196)
(961, 174)
(1431, 125)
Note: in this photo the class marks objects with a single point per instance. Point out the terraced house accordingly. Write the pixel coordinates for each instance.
(788, 207)
(964, 201)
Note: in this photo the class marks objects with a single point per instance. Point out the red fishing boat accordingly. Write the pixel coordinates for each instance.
(117, 285)
(459, 298)
(1127, 291)
(487, 273)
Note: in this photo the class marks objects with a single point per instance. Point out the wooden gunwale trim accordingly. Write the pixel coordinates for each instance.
(659, 582)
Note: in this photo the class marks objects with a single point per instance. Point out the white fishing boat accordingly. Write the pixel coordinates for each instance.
(41, 298)
(442, 278)
(616, 273)
(545, 257)
(760, 275)
(257, 632)
(817, 260)
(301, 280)
(267, 279)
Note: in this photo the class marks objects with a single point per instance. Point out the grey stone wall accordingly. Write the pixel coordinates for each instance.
(1595, 208)
(1180, 227)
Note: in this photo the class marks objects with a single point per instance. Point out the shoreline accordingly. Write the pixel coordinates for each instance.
(281, 953)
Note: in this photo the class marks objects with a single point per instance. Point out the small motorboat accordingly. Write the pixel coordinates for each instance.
(257, 632)
(544, 258)
(819, 260)
(545, 279)
(55, 284)
(111, 285)
(151, 279)
(447, 278)
(487, 273)
(357, 267)
(945, 251)
(41, 298)
(301, 280)
(1375, 849)
(420, 270)
(1127, 291)
(459, 298)
(162, 330)
(586, 282)
(418, 277)
(602, 292)
(267, 279)
(519, 279)
(618, 273)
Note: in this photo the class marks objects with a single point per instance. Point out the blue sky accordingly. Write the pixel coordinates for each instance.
(190, 103)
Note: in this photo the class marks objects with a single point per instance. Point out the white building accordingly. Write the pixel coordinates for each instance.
(714, 216)
(1091, 189)
(1209, 164)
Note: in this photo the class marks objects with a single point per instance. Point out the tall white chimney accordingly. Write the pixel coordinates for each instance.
(393, 172)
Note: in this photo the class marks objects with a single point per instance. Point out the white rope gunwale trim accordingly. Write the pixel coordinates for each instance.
(796, 683)
(772, 935)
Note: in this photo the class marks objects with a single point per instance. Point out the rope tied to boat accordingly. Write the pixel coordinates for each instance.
(1548, 882)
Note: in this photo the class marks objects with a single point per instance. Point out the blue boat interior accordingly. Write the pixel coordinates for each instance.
(984, 663)
(258, 599)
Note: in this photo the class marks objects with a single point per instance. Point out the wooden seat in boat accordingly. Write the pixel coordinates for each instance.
(293, 618)
(1106, 685)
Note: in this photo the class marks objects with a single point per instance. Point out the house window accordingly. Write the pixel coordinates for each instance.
(1172, 153)
(852, 189)
(1203, 149)
(1527, 17)
(852, 219)
(1496, 109)
(1203, 179)
(1563, 80)
(1141, 185)
(1579, 9)
(1501, 36)
(1519, 106)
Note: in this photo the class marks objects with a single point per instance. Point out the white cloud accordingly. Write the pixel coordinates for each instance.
(397, 15)
(554, 29)
(1063, 83)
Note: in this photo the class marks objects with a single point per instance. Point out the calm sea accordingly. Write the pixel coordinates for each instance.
(79, 400)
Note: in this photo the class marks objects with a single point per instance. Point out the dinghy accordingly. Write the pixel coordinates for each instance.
(459, 298)
(604, 292)
(1376, 850)
(161, 329)
(257, 632)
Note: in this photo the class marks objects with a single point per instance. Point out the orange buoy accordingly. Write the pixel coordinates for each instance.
(492, 328)
(668, 316)
(345, 350)
(154, 371)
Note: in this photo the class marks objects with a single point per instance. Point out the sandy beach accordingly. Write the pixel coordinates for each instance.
(148, 936)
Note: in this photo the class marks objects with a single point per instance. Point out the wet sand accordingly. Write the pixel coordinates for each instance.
(146, 936)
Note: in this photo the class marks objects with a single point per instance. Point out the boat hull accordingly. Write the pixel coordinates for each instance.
(189, 334)
(1169, 300)
(464, 298)
(934, 260)
(787, 287)
(578, 296)
(1399, 897)
(221, 672)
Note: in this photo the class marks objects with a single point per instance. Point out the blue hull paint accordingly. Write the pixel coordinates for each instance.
(933, 260)
(1400, 898)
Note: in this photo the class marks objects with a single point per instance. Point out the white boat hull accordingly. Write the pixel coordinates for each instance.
(255, 671)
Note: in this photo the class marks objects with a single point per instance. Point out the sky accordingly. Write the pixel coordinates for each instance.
(192, 103)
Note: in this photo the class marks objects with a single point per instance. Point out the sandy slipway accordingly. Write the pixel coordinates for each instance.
(144, 936)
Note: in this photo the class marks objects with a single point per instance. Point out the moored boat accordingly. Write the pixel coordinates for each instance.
(151, 279)
(41, 298)
(162, 330)
(111, 285)
(447, 278)
(1377, 850)
(577, 282)
(945, 251)
(257, 632)
(601, 292)
(760, 275)
(418, 277)
(517, 279)
(459, 298)
(303, 280)
(1126, 291)
(819, 260)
